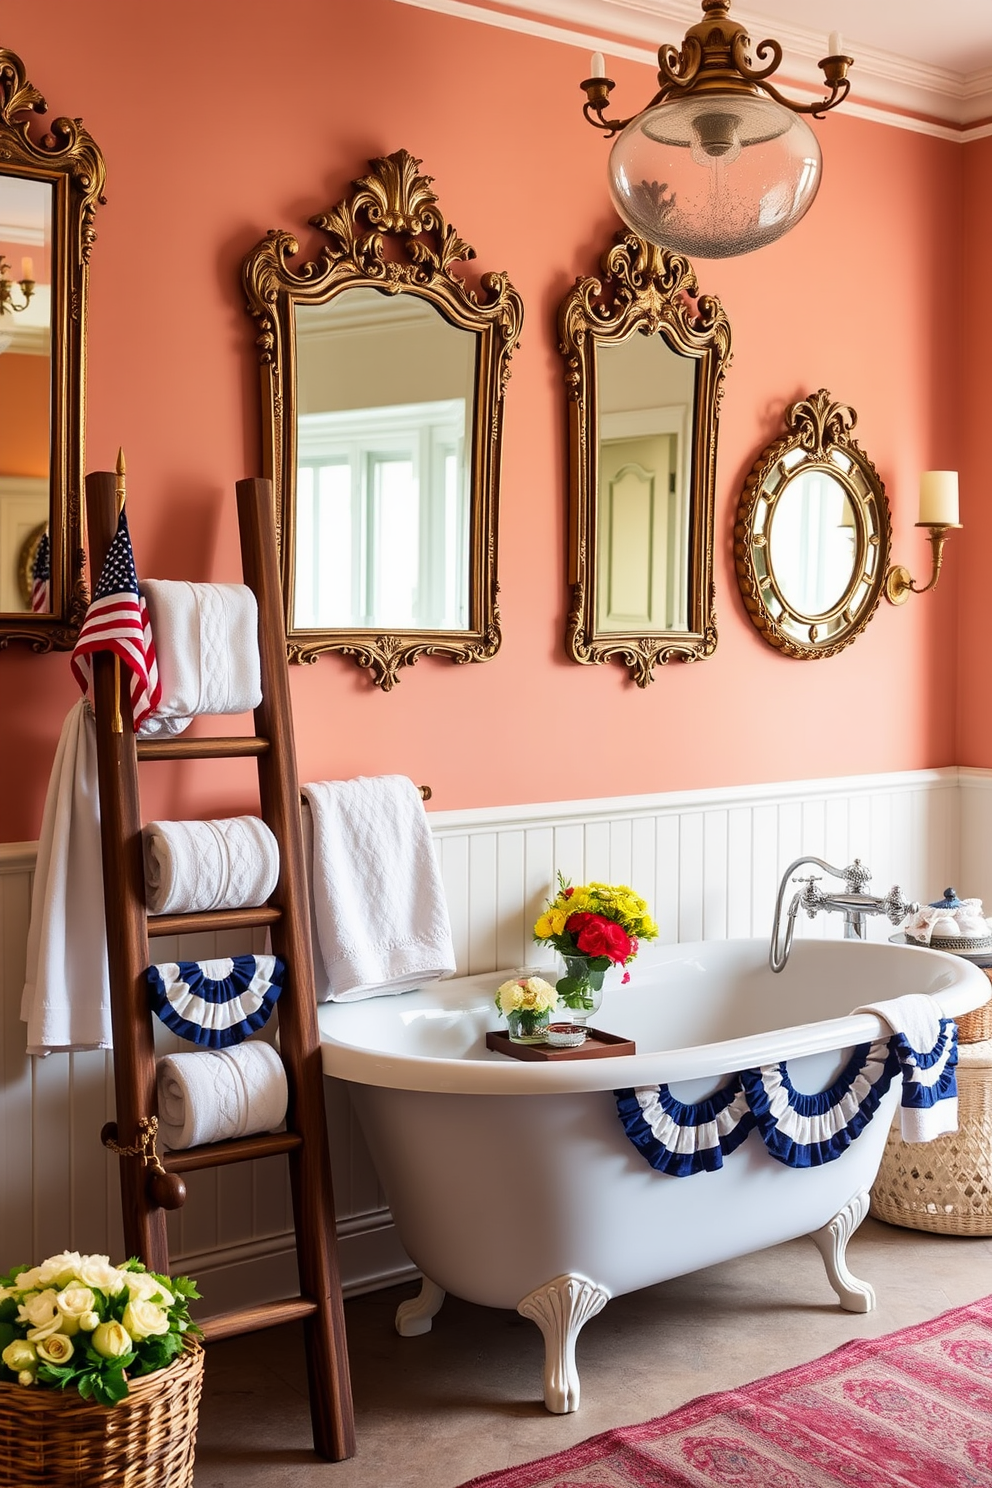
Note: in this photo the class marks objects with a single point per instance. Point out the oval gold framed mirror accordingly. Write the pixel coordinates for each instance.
(50, 185)
(812, 538)
(383, 378)
(645, 356)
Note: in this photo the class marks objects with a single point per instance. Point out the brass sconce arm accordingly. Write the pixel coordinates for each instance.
(899, 583)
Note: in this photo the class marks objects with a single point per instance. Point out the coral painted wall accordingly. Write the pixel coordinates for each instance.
(220, 121)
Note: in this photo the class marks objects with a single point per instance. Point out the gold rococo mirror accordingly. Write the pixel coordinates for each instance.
(383, 376)
(645, 356)
(812, 537)
(50, 186)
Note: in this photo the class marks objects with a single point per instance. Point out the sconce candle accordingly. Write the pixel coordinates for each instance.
(597, 67)
(27, 268)
(938, 498)
(835, 46)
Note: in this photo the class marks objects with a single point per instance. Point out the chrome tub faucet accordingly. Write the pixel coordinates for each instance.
(854, 904)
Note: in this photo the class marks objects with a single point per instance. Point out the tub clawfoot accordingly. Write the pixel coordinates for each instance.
(560, 1308)
(831, 1242)
(414, 1316)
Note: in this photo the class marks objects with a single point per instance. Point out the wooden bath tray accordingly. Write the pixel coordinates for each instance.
(597, 1046)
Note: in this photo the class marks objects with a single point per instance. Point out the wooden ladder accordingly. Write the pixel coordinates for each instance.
(146, 1190)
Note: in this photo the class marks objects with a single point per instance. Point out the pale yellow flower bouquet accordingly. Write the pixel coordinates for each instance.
(76, 1320)
(526, 1003)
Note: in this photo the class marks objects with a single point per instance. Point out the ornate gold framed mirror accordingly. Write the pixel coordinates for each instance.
(812, 537)
(645, 356)
(50, 186)
(383, 377)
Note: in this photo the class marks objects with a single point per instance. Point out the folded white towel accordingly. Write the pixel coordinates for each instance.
(197, 865)
(377, 904)
(211, 1097)
(916, 1016)
(929, 1101)
(66, 999)
(206, 644)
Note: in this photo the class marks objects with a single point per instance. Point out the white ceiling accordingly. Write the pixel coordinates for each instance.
(915, 61)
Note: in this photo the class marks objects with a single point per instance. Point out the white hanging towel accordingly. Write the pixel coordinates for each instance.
(927, 1048)
(377, 903)
(198, 865)
(66, 1000)
(206, 644)
(212, 1097)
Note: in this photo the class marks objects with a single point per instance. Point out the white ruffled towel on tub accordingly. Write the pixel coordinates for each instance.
(206, 645)
(377, 908)
(191, 866)
(212, 1097)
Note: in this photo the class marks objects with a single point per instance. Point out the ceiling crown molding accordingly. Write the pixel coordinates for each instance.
(885, 88)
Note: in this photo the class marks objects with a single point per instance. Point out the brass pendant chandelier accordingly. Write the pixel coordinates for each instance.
(719, 163)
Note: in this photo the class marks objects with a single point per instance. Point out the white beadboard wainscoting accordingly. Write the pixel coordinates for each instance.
(707, 861)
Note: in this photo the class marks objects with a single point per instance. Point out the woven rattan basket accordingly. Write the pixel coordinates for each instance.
(976, 1027)
(51, 1439)
(944, 1186)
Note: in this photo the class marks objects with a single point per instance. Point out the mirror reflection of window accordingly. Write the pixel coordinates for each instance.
(813, 542)
(645, 402)
(384, 438)
(25, 375)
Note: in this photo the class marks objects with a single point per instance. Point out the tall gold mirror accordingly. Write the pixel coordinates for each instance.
(812, 538)
(50, 185)
(645, 357)
(383, 375)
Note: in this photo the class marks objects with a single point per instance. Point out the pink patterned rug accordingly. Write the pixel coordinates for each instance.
(910, 1410)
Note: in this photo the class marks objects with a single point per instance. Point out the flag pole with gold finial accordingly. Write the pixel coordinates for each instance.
(117, 726)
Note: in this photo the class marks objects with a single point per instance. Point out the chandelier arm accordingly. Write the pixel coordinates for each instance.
(595, 107)
(838, 92)
(678, 68)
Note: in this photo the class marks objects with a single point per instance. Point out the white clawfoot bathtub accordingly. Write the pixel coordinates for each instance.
(513, 1184)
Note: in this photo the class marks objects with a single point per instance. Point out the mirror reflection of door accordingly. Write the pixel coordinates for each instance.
(645, 403)
(383, 489)
(25, 383)
(812, 542)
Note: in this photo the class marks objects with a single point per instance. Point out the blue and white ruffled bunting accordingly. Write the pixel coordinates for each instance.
(801, 1131)
(215, 1004)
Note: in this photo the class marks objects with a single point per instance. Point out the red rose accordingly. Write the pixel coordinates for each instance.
(596, 936)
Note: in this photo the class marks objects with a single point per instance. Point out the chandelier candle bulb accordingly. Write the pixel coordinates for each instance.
(938, 498)
(597, 66)
(835, 46)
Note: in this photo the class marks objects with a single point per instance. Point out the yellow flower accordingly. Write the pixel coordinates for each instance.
(543, 930)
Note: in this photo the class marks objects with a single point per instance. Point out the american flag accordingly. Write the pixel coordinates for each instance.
(117, 621)
(41, 574)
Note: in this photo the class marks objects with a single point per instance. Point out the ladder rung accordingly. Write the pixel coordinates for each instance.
(228, 746)
(249, 1319)
(239, 1149)
(213, 919)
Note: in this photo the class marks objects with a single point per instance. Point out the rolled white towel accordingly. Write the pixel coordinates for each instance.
(206, 645)
(214, 1096)
(198, 865)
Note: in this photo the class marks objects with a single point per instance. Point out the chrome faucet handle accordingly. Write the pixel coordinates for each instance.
(856, 877)
(896, 907)
(810, 897)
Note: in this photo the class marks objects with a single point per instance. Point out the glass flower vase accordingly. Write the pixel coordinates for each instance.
(581, 985)
(527, 1026)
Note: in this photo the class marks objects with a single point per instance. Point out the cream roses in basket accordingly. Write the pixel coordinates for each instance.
(76, 1320)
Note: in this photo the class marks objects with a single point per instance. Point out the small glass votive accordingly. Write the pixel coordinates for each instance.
(565, 1035)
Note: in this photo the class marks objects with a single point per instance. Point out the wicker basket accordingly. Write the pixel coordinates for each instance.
(53, 1440)
(976, 1027)
(944, 1186)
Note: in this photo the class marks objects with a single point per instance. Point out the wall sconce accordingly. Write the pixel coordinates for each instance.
(25, 284)
(939, 514)
(718, 162)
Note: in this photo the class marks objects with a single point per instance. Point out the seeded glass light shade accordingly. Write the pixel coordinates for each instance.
(714, 175)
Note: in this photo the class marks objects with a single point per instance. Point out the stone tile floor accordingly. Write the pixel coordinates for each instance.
(466, 1398)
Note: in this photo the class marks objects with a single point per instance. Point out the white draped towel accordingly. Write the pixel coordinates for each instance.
(377, 903)
(198, 865)
(212, 1097)
(206, 644)
(916, 1019)
(66, 1000)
